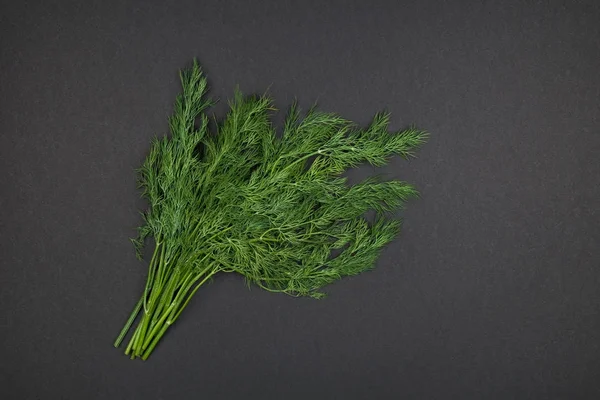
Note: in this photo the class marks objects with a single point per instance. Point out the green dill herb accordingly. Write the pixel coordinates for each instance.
(275, 209)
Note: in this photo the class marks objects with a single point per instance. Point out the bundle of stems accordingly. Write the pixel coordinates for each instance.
(275, 209)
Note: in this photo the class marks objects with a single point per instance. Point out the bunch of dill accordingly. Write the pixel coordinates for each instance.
(272, 208)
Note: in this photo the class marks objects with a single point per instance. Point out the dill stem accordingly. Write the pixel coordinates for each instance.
(157, 326)
(129, 322)
(152, 319)
(151, 273)
(132, 340)
(141, 302)
(154, 289)
(154, 342)
(142, 327)
(165, 298)
(303, 158)
(157, 280)
(191, 294)
(160, 316)
(166, 316)
(148, 320)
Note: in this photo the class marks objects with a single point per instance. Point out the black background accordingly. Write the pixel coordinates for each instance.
(492, 290)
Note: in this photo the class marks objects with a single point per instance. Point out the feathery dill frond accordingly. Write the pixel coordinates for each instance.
(273, 209)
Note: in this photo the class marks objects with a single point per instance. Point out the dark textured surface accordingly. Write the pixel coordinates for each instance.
(492, 291)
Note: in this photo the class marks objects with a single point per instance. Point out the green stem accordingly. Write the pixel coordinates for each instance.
(165, 298)
(129, 322)
(305, 157)
(151, 320)
(189, 297)
(157, 326)
(159, 316)
(172, 312)
(141, 302)
(155, 310)
(132, 340)
(151, 273)
(158, 283)
(142, 327)
(154, 342)
(161, 265)
(158, 266)
(167, 292)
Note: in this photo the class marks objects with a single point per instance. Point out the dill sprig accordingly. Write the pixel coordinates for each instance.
(275, 209)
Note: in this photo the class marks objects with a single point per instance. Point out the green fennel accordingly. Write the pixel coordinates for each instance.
(275, 209)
